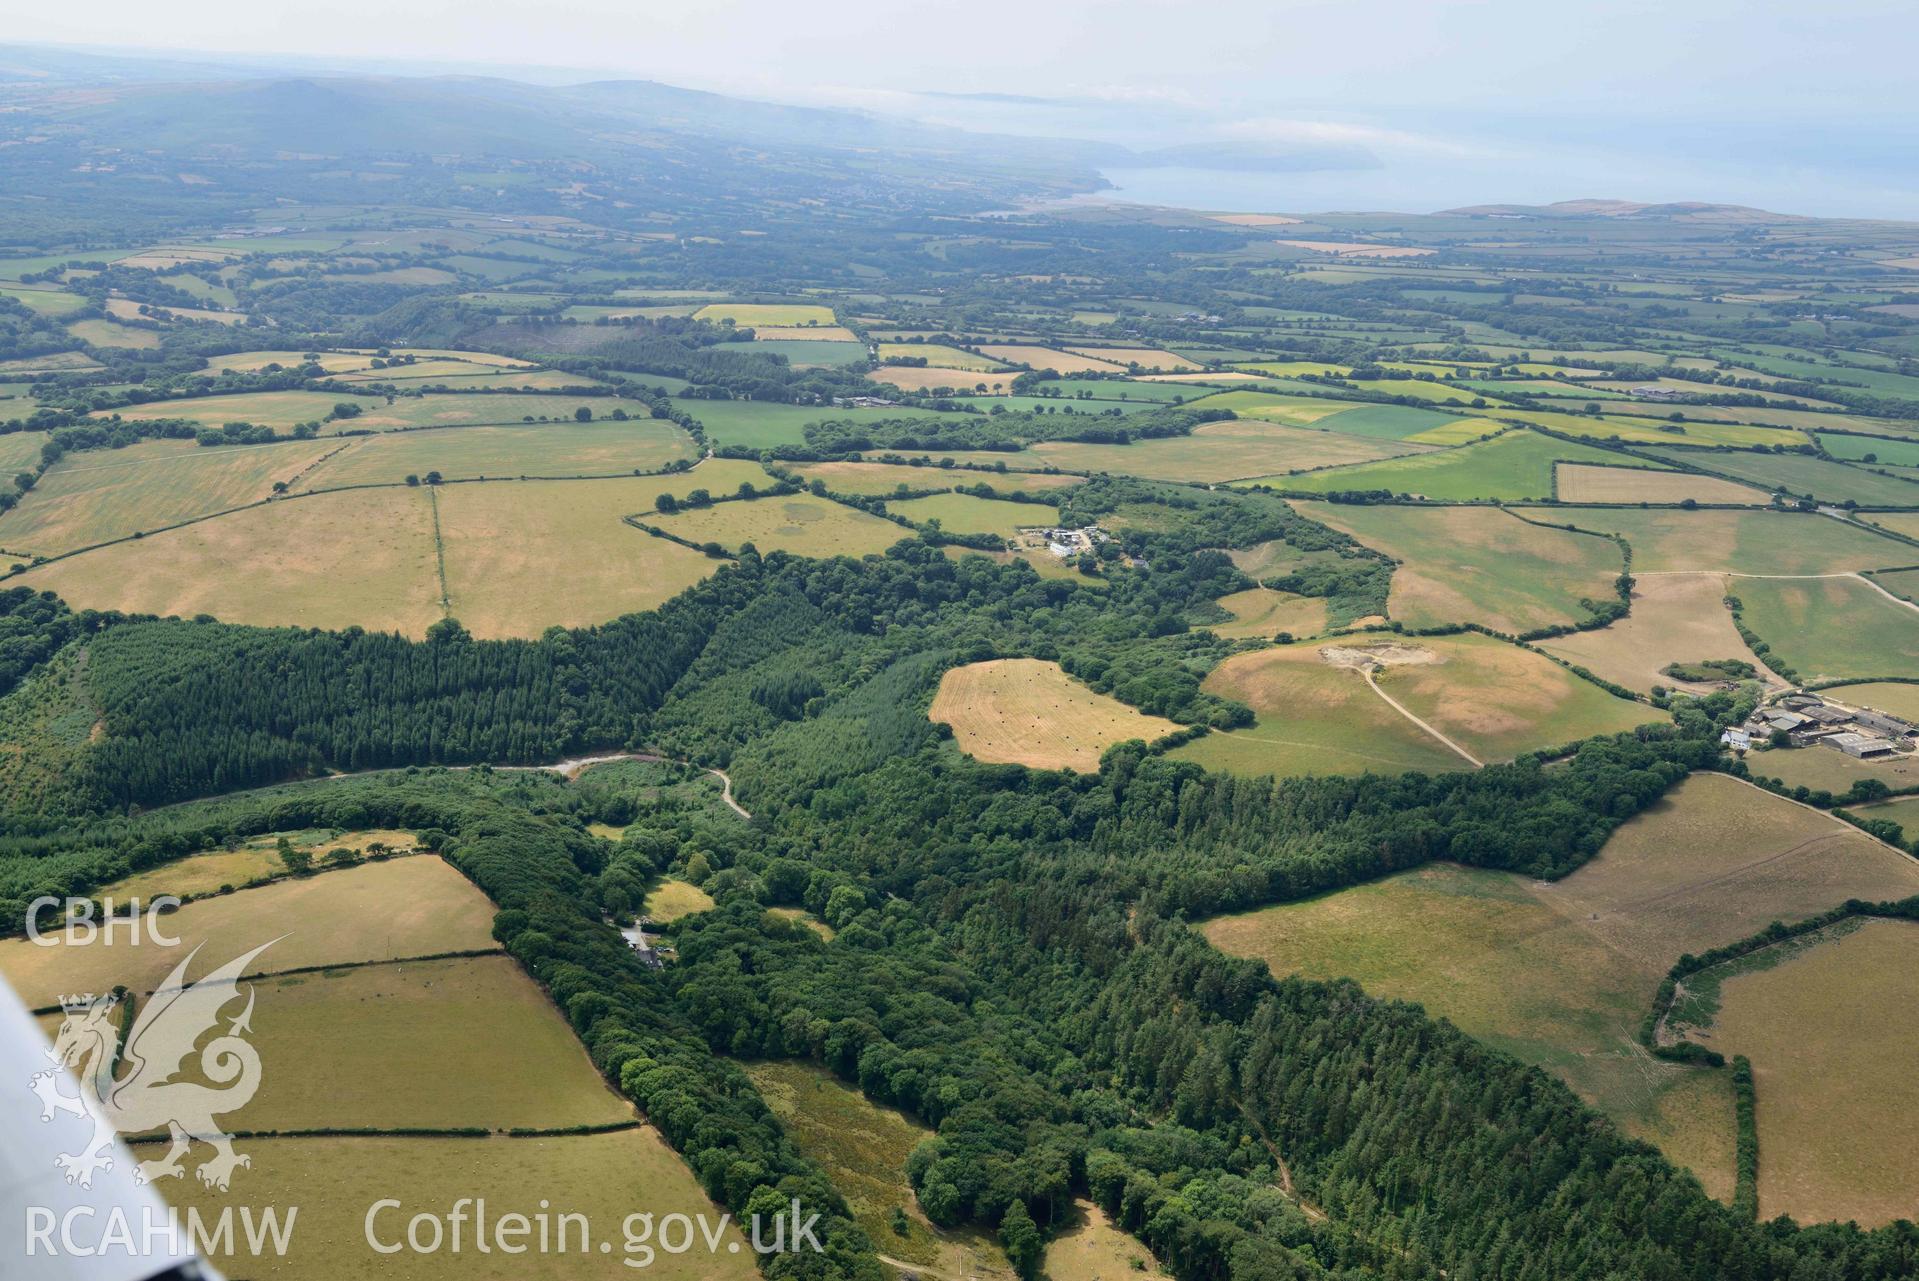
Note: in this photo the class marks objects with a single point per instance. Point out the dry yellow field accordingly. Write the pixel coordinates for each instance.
(359, 557)
(522, 556)
(1346, 249)
(257, 858)
(1093, 1248)
(1832, 1053)
(97, 496)
(1585, 483)
(797, 523)
(1261, 611)
(671, 899)
(933, 377)
(1061, 362)
(803, 333)
(1144, 357)
(1676, 618)
(1022, 711)
(416, 906)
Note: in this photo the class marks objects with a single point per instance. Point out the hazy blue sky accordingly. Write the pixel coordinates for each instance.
(1763, 101)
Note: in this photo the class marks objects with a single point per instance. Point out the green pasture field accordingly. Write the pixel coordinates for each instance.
(105, 333)
(1897, 453)
(1214, 452)
(747, 314)
(805, 353)
(20, 450)
(881, 479)
(373, 1044)
(1894, 698)
(99, 495)
(1123, 389)
(1517, 465)
(1655, 431)
(1480, 565)
(759, 424)
(550, 449)
(1828, 482)
(403, 907)
(1742, 542)
(798, 523)
(1824, 769)
(280, 410)
(863, 1148)
(522, 556)
(1832, 627)
(1903, 583)
(604, 1177)
(44, 302)
(1838, 1104)
(965, 514)
(1295, 411)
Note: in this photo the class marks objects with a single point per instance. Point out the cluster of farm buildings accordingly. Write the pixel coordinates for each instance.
(1807, 720)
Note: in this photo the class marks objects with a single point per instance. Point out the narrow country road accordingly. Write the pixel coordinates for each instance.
(1401, 709)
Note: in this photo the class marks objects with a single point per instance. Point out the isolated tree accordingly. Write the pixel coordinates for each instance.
(583, 415)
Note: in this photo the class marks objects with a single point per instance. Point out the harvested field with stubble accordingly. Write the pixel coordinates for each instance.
(1023, 711)
(1832, 1055)
(1676, 618)
(1480, 564)
(1755, 542)
(1146, 358)
(279, 410)
(374, 1044)
(98, 496)
(934, 377)
(1233, 450)
(604, 1177)
(1584, 483)
(522, 556)
(1499, 701)
(417, 906)
(360, 558)
(937, 354)
(1561, 973)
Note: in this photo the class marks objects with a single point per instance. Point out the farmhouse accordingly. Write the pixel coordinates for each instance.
(1737, 739)
(1659, 393)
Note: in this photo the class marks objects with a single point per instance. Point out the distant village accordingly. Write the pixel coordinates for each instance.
(1807, 720)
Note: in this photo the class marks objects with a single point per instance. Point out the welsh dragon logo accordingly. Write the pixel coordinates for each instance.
(142, 1095)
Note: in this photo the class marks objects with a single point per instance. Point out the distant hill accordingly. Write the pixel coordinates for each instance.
(1593, 207)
